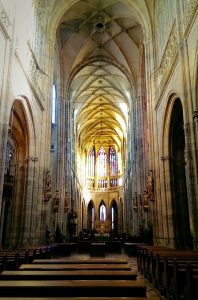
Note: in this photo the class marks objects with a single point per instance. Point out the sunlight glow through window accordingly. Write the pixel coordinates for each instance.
(53, 103)
(121, 121)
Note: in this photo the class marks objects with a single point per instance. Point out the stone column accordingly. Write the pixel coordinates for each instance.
(167, 202)
(30, 214)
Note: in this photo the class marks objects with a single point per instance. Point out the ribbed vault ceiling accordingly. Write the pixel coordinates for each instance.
(107, 36)
(100, 95)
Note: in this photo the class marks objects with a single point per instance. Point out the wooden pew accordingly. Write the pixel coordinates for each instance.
(79, 261)
(74, 288)
(157, 273)
(82, 266)
(156, 263)
(2, 262)
(181, 280)
(143, 252)
(80, 298)
(131, 249)
(190, 289)
(12, 259)
(146, 254)
(174, 275)
(152, 260)
(72, 274)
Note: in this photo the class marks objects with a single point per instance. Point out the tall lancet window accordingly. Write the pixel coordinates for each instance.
(112, 218)
(91, 163)
(113, 162)
(102, 212)
(102, 162)
(53, 104)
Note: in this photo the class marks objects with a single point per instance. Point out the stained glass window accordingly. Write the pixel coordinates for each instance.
(112, 218)
(53, 103)
(102, 162)
(91, 163)
(9, 159)
(103, 212)
(113, 162)
(92, 218)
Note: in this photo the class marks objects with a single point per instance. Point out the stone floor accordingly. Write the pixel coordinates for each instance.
(151, 292)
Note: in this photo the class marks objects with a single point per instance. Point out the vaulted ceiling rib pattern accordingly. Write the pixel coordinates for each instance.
(100, 93)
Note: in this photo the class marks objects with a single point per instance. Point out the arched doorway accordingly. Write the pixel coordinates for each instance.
(114, 217)
(14, 178)
(178, 178)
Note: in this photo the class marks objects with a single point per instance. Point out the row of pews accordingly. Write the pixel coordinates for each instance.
(73, 278)
(173, 272)
(11, 259)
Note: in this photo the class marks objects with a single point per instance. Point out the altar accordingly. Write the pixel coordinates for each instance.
(102, 227)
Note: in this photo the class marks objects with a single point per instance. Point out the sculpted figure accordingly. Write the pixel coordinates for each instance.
(150, 187)
(48, 187)
(145, 198)
(135, 200)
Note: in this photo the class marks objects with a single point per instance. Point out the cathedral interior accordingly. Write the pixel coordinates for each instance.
(99, 122)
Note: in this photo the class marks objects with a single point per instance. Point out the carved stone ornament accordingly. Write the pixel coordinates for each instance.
(145, 200)
(150, 186)
(134, 202)
(168, 60)
(48, 187)
(56, 201)
(4, 20)
(189, 12)
(67, 201)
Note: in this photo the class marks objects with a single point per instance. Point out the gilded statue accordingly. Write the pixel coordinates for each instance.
(150, 186)
(145, 199)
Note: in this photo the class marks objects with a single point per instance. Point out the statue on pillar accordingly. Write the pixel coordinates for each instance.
(72, 222)
(56, 201)
(67, 202)
(134, 200)
(145, 200)
(150, 186)
(47, 187)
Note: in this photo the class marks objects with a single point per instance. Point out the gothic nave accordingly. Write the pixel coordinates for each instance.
(98, 121)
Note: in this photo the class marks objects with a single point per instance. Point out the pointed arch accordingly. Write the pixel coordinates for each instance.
(20, 132)
(102, 211)
(178, 177)
(113, 162)
(173, 150)
(90, 215)
(114, 216)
